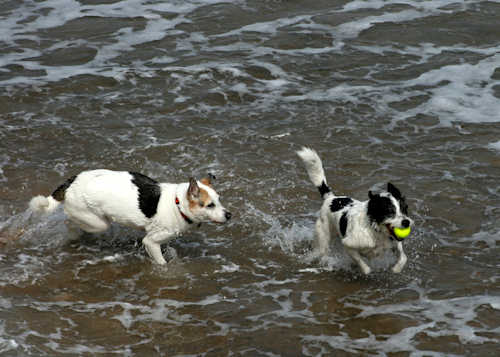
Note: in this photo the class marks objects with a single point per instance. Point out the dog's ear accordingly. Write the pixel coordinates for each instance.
(193, 191)
(393, 190)
(370, 195)
(208, 180)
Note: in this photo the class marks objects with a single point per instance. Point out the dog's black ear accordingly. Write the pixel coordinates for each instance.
(193, 189)
(370, 195)
(393, 190)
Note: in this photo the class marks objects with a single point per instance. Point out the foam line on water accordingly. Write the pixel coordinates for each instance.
(438, 5)
(462, 92)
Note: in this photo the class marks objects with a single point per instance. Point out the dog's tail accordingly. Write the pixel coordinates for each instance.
(314, 168)
(42, 204)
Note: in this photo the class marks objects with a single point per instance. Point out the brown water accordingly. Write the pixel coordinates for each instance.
(400, 91)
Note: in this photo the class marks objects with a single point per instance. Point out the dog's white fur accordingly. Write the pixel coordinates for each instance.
(362, 237)
(94, 199)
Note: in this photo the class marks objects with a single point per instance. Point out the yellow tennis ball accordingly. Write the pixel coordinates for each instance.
(402, 232)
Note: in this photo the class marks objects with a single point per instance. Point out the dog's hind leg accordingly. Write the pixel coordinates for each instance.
(322, 241)
(90, 222)
(358, 259)
(401, 261)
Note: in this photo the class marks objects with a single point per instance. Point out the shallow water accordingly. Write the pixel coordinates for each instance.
(401, 91)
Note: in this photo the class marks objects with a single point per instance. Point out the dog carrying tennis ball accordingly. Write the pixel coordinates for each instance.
(402, 232)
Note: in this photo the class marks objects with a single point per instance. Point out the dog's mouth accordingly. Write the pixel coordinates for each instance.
(392, 235)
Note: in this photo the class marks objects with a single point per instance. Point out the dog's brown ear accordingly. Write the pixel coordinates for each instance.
(208, 180)
(193, 191)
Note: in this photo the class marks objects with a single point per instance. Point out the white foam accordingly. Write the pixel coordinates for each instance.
(269, 27)
(4, 159)
(107, 259)
(6, 344)
(458, 93)
(5, 303)
(401, 341)
(26, 20)
(462, 92)
(310, 270)
(491, 239)
(230, 268)
(466, 97)
(353, 29)
(427, 6)
(494, 146)
(495, 305)
(454, 316)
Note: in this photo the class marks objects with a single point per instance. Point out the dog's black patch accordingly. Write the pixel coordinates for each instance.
(403, 205)
(396, 193)
(60, 192)
(380, 208)
(149, 193)
(323, 189)
(339, 203)
(343, 224)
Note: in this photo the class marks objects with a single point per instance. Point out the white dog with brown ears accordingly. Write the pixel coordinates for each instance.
(94, 199)
(365, 228)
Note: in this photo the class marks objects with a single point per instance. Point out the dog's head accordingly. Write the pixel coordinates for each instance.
(204, 203)
(389, 210)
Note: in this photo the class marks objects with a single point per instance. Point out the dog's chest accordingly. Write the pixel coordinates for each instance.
(167, 217)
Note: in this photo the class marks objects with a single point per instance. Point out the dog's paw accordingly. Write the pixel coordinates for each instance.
(366, 270)
(160, 262)
(397, 268)
(400, 264)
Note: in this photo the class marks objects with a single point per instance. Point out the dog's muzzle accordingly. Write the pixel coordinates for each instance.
(405, 223)
(227, 217)
(393, 235)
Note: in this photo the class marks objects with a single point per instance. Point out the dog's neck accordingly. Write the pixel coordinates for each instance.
(182, 204)
(186, 218)
(379, 232)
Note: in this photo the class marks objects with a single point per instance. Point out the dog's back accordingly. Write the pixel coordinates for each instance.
(111, 195)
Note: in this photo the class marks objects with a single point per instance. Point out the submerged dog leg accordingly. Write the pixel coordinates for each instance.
(322, 241)
(358, 259)
(152, 243)
(401, 261)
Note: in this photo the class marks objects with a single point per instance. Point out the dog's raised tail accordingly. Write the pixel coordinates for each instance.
(43, 204)
(314, 168)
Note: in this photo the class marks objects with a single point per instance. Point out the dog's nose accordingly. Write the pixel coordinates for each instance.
(228, 215)
(405, 223)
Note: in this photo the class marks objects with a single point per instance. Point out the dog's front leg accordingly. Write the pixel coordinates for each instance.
(402, 259)
(358, 259)
(152, 243)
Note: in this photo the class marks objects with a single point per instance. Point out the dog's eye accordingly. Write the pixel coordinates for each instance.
(211, 205)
